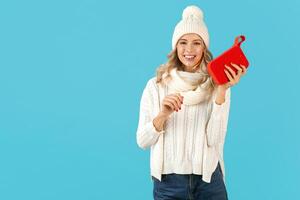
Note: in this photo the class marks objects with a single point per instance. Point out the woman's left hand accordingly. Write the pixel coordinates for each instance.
(233, 77)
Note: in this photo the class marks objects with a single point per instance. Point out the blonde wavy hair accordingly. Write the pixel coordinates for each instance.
(163, 71)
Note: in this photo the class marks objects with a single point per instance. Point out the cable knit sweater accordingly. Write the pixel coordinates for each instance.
(193, 139)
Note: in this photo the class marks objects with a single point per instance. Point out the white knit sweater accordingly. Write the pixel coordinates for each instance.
(193, 139)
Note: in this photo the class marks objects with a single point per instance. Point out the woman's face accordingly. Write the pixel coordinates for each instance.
(190, 48)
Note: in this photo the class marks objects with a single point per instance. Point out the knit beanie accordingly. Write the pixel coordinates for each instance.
(191, 22)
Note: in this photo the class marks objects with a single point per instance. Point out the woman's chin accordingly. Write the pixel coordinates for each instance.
(189, 66)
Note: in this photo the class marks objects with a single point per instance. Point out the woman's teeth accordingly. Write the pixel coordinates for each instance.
(190, 57)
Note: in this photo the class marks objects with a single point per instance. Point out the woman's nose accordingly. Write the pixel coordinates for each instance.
(189, 48)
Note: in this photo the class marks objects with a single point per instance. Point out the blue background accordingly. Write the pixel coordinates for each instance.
(72, 74)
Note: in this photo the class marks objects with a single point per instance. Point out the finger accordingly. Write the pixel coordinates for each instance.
(244, 69)
(167, 103)
(233, 74)
(178, 95)
(175, 100)
(181, 97)
(240, 70)
(229, 77)
(237, 77)
(178, 98)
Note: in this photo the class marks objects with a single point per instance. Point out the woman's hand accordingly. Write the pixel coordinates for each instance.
(233, 77)
(171, 103)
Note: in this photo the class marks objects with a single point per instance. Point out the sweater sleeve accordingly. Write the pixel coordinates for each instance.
(217, 124)
(146, 133)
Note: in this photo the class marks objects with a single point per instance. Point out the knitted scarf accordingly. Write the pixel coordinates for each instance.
(185, 83)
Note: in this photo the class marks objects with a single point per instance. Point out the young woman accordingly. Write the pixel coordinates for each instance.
(183, 117)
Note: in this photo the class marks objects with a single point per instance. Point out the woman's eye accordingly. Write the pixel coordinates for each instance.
(182, 42)
(197, 43)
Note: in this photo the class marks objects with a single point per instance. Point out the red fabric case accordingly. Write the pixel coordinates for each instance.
(234, 54)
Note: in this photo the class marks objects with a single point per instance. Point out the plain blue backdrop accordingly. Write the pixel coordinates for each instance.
(71, 78)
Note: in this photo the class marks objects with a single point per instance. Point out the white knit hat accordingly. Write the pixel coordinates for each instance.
(192, 22)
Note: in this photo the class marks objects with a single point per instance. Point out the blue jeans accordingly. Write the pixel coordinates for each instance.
(190, 186)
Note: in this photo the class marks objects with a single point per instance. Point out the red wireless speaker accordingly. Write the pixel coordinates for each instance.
(233, 55)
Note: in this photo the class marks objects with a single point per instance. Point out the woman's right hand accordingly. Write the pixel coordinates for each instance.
(171, 103)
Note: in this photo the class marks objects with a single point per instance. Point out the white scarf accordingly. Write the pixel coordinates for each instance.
(185, 83)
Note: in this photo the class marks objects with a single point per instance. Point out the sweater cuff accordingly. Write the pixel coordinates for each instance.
(218, 109)
(152, 134)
